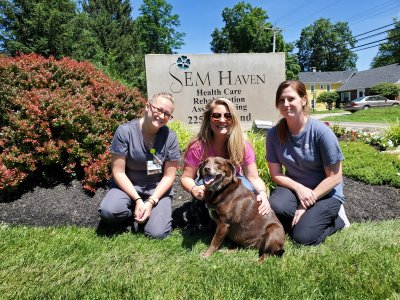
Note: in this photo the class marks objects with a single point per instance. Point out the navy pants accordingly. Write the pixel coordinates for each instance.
(315, 225)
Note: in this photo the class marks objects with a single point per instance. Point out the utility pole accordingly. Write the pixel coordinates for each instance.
(274, 31)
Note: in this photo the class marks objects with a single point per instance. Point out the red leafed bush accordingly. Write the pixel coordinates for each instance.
(59, 113)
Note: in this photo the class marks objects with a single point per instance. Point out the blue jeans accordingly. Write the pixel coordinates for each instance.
(245, 182)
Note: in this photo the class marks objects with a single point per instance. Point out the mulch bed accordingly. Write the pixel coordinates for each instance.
(68, 204)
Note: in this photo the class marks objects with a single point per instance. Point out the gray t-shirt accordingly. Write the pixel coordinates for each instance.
(128, 142)
(305, 155)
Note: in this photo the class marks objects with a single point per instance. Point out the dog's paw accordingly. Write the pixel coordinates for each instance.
(205, 255)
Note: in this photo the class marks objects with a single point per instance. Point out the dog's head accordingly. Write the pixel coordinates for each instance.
(217, 172)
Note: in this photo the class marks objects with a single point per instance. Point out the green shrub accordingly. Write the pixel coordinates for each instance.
(393, 134)
(389, 90)
(59, 113)
(183, 132)
(258, 141)
(363, 162)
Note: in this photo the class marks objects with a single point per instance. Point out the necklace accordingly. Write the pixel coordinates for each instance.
(148, 141)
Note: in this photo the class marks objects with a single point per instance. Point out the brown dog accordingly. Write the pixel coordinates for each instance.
(235, 210)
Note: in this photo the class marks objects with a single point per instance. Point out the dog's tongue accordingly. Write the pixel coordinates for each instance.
(209, 179)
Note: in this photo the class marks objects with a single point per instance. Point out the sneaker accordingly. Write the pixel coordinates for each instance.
(342, 215)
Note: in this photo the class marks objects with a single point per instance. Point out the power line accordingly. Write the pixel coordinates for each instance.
(301, 6)
(374, 10)
(316, 12)
(374, 42)
(372, 35)
(366, 48)
(375, 29)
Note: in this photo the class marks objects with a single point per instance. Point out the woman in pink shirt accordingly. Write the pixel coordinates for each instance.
(222, 135)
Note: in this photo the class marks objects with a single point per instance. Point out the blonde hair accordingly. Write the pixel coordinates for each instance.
(282, 127)
(162, 95)
(235, 144)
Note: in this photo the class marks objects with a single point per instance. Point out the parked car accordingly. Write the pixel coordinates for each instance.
(367, 102)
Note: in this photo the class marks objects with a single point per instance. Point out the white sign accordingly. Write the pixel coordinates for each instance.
(249, 80)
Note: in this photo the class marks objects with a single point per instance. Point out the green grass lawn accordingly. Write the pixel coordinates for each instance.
(361, 262)
(389, 115)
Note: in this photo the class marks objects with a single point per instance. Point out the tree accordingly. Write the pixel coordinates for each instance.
(325, 46)
(156, 28)
(329, 98)
(389, 52)
(246, 30)
(36, 26)
(156, 32)
(386, 89)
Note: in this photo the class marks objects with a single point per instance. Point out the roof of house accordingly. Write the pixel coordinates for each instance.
(325, 77)
(371, 77)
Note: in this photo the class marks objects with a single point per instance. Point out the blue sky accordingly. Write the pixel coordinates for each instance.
(199, 18)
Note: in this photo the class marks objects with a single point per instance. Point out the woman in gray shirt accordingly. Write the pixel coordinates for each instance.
(144, 160)
(305, 161)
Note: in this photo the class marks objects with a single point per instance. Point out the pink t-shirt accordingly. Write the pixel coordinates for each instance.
(198, 152)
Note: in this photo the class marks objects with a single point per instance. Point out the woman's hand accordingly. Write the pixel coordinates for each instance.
(198, 192)
(306, 196)
(264, 207)
(297, 215)
(142, 211)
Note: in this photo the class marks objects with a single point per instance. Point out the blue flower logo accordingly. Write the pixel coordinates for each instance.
(183, 62)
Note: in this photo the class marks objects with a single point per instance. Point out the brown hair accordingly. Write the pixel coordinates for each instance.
(236, 139)
(282, 127)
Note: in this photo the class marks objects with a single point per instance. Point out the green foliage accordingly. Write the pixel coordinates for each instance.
(361, 262)
(257, 139)
(59, 113)
(326, 46)
(329, 98)
(246, 30)
(183, 132)
(393, 134)
(376, 115)
(36, 26)
(156, 28)
(100, 31)
(292, 65)
(389, 50)
(387, 89)
(363, 162)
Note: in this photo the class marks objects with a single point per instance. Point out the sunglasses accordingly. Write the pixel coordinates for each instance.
(158, 111)
(217, 116)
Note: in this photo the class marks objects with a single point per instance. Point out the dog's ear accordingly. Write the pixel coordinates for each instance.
(231, 166)
(199, 175)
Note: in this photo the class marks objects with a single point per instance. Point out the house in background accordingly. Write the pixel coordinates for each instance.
(359, 83)
(318, 82)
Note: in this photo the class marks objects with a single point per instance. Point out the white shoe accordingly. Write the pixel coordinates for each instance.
(342, 215)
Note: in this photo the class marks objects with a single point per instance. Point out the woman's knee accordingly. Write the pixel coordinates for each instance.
(158, 232)
(303, 237)
(114, 210)
(283, 201)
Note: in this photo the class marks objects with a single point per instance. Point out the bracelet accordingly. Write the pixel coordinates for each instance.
(153, 200)
(262, 191)
(191, 191)
(134, 200)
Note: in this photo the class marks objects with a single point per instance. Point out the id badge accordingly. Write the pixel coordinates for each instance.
(153, 167)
